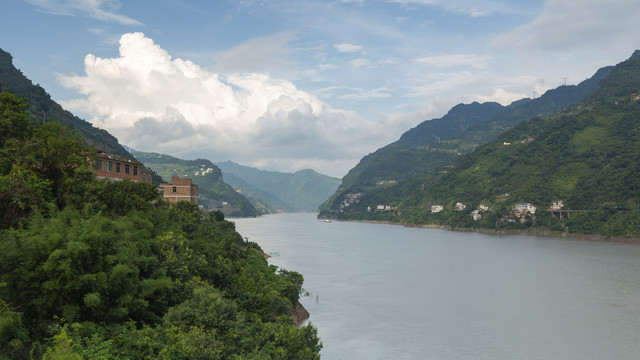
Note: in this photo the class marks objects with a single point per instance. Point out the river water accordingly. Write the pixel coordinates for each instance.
(382, 291)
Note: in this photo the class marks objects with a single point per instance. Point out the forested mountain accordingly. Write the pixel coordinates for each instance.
(93, 269)
(43, 109)
(213, 192)
(438, 142)
(302, 191)
(585, 156)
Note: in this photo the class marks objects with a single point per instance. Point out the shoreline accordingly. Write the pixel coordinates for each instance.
(548, 233)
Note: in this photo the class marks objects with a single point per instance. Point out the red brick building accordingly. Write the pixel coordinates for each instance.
(116, 168)
(180, 189)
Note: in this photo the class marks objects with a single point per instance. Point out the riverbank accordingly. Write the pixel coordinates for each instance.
(530, 232)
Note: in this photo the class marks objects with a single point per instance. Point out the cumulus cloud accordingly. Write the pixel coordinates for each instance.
(103, 10)
(153, 102)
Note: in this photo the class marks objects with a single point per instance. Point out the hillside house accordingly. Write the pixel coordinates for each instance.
(557, 205)
(180, 189)
(524, 208)
(459, 206)
(436, 208)
(475, 214)
(117, 169)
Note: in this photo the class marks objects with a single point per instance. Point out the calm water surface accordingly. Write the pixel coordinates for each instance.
(389, 292)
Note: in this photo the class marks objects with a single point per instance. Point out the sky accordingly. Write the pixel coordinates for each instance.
(293, 84)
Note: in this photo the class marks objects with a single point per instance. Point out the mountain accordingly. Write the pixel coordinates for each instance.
(438, 142)
(213, 192)
(42, 109)
(302, 191)
(585, 156)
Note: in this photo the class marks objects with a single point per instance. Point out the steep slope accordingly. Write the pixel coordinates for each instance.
(585, 156)
(213, 192)
(437, 142)
(301, 191)
(43, 109)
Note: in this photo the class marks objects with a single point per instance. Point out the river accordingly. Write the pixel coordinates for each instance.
(381, 291)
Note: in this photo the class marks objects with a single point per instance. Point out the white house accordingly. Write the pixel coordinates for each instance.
(436, 208)
(460, 206)
(557, 205)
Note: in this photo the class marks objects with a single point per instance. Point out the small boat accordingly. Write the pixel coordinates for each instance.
(327, 220)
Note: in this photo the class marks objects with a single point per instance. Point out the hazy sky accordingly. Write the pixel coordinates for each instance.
(291, 84)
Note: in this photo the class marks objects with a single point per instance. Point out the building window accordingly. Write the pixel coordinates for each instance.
(144, 177)
(98, 164)
(118, 167)
(109, 165)
(135, 170)
(126, 169)
(175, 189)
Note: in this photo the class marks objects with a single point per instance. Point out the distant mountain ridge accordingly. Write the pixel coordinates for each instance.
(435, 143)
(302, 191)
(213, 192)
(574, 171)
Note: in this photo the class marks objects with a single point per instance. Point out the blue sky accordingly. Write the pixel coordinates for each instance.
(285, 85)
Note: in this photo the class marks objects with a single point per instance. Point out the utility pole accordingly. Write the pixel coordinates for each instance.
(535, 93)
(565, 80)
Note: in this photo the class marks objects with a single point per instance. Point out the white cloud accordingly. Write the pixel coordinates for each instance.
(346, 48)
(267, 53)
(361, 94)
(565, 25)
(454, 60)
(154, 102)
(500, 95)
(360, 62)
(103, 10)
(437, 84)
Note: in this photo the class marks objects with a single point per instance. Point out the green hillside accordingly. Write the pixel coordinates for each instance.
(585, 156)
(95, 269)
(436, 143)
(213, 192)
(302, 191)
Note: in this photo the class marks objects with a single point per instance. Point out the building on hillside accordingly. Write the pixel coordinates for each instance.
(557, 205)
(459, 207)
(475, 214)
(116, 168)
(436, 208)
(180, 189)
(524, 208)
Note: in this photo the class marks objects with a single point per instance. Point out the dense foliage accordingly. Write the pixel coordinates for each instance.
(585, 156)
(106, 270)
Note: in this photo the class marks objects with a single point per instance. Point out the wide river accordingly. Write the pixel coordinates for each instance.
(382, 291)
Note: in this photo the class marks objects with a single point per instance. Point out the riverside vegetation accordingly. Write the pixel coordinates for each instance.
(106, 270)
(585, 155)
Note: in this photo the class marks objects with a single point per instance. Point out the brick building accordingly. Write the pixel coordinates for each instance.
(116, 168)
(180, 189)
